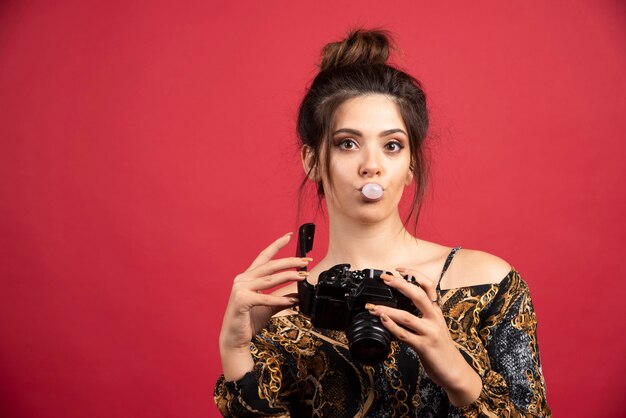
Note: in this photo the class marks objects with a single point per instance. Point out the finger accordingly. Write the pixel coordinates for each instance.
(399, 316)
(274, 266)
(400, 333)
(273, 300)
(273, 280)
(250, 299)
(417, 295)
(275, 309)
(424, 282)
(270, 251)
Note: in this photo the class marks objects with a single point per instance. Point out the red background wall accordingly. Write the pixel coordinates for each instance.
(148, 152)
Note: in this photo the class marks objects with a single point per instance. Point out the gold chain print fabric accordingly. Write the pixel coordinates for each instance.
(301, 371)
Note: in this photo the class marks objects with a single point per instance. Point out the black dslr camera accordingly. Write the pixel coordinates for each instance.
(338, 301)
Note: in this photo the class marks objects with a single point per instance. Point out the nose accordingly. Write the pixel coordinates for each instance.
(370, 164)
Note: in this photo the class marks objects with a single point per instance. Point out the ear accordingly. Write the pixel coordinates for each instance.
(409, 176)
(307, 156)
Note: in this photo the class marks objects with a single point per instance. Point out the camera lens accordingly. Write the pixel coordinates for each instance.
(368, 340)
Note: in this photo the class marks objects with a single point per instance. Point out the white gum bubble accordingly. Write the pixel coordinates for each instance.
(373, 191)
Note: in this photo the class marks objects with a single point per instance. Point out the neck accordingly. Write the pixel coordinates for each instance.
(368, 245)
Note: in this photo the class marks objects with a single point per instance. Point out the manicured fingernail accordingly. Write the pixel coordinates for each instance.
(293, 300)
(384, 317)
(288, 234)
(370, 306)
(307, 259)
(386, 277)
(303, 273)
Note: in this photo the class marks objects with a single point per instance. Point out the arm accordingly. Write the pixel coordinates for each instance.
(428, 334)
(483, 353)
(260, 391)
(246, 356)
(506, 357)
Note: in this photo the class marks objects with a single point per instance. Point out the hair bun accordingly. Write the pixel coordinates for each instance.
(360, 47)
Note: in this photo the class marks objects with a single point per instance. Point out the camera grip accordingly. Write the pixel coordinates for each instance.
(306, 292)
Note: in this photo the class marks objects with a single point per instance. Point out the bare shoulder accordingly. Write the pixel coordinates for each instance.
(474, 267)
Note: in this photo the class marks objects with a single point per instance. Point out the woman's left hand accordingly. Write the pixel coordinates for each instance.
(429, 336)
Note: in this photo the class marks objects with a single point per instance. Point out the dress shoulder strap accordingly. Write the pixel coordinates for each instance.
(446, 265)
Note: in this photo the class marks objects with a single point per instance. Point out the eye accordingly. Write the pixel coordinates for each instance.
(393, 146)
(346, 144)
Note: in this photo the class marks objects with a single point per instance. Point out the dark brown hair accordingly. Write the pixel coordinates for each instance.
(355, 67)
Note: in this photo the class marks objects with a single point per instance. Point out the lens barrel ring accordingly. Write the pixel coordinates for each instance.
(368, 339)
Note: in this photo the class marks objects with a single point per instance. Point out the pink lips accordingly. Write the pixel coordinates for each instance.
(372, 191)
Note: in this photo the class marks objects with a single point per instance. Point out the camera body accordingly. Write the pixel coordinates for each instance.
(337, 302)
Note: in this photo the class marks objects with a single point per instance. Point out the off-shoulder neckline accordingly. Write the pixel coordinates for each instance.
(510, 273)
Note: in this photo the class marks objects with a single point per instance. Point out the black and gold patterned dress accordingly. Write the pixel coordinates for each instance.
(301, 371)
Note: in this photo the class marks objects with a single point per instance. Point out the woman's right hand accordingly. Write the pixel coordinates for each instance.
(249, 310)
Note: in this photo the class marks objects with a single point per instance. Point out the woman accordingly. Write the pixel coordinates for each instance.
(473, 349)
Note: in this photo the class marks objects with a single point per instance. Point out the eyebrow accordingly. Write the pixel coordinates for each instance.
(358, 133)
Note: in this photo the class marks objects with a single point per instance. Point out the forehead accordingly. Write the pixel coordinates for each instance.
(374, 112)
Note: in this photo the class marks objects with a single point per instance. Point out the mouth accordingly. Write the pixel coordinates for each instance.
(372, 191)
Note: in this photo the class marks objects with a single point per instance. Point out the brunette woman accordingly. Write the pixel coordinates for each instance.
(472, 350)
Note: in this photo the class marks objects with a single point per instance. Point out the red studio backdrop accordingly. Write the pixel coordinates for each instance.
(148, 153)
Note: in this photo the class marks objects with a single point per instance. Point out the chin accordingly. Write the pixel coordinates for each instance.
(366, 212)
(371, 212)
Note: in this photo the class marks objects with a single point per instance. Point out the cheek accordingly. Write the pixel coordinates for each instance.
(401, 174)
(408, 177)
(339, 171)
